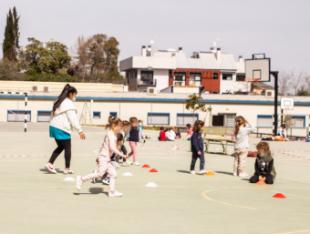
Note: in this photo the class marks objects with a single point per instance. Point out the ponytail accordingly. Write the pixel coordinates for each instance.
(113, 121)
(63, 95)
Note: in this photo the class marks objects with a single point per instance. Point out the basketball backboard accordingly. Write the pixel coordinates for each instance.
(257, 69)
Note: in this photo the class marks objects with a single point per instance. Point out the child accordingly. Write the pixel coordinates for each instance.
(197, 147)
(264, 164)
(189, 131)
(141, 128)
(107, 148)
(177, 133)
(115, 158)
(125, 130)
(241, 134)
(170, 135)
(63, 121)
(134, 139)
(162, 134)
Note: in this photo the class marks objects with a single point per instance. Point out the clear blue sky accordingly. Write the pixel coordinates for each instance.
(281, 28)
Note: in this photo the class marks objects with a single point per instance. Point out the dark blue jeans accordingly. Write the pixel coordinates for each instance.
(201, 157)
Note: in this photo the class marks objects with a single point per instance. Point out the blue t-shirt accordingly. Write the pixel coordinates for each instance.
(59, 134)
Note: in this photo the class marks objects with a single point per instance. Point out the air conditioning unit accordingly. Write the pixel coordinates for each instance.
(151, 90)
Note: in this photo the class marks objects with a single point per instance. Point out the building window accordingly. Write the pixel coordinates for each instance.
(18, 115)
(96, 115)
(215, 76)
(240, 77)
(296, 121)
(195, 79)
(224, 120)
(264, 121)
(158, 119)
(44, 116)
(227, 76)
(186, 118)
(179, 79)
(146, 78)
(113, 114)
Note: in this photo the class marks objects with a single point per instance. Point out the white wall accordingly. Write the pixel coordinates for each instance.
(162, 79)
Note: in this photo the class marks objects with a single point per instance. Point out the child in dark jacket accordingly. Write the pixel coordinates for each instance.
(134, 139)
(197, 148)
(264, 165)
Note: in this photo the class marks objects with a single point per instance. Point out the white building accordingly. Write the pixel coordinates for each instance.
(216, 71)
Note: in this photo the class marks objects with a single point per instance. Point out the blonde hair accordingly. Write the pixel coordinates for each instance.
(264, 146)
(240, 121)
(113, 122)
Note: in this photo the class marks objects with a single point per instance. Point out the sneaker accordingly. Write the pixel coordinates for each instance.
(50, 168)
(192, 172)
(201, 172)
(79, 182)
(129, 162)
(115, 194)
(106, 181)
(243, 175)
(235, 174)
(68, 171)
(136, 163)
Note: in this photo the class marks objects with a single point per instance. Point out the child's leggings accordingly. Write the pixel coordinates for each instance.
(104, 166)
(240, 160)
(133, 146)
(62, 145)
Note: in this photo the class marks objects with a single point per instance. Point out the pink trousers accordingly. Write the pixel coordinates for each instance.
(104, 166)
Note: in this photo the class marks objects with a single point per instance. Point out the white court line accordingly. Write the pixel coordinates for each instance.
(207, 197)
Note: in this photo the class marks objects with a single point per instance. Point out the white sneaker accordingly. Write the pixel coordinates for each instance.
(243, 175)
(129, 162)
(235, 174)
(106, 181)
(115, 194)
(192, 172)
(50, 168)
(136, 163)
(201, 172)
(79, 182)
(68, 171)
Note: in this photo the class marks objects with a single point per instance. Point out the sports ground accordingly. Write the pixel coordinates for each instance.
(33, 201)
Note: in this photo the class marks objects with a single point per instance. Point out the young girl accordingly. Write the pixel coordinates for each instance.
(64, 119)
(264, 164)
(104, 164)
(197, 147)
(162, 134)
(241, 134)
(133, 139)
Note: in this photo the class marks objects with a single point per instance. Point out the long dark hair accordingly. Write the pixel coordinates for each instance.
(63, 95)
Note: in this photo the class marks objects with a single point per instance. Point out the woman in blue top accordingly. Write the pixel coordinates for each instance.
(64, 119)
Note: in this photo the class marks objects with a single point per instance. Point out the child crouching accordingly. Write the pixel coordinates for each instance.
(264, 165)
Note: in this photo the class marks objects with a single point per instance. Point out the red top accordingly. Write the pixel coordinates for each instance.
(162, 135)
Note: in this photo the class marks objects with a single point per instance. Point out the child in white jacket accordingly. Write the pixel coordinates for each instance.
(241, 134)
(104, 164)
(64, 119)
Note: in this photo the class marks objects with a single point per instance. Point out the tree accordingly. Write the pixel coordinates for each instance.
(50, 58)
(195, 103)
(11, 36)
(98, 58)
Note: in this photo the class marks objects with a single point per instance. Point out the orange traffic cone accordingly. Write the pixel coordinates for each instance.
(261, 182)
(210, 173)
(146, 166)
(153, 170)
(279, 195)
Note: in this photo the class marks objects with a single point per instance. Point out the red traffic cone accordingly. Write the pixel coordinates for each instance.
(279, 195)
(153, 170)
(146, 166)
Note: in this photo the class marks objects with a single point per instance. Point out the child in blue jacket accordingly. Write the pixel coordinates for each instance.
(197, 147)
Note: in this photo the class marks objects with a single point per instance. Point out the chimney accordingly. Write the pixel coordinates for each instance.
(218, 53)
(180, 49)
(143, 51)
(149, 50)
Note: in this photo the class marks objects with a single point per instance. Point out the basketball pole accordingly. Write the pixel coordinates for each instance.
(25, 116)
(275, 74)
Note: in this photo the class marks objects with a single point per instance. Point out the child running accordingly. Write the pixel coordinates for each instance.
(197, 147)
(104, 165)
(264, 164)
(133, 139)
(241, 134)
